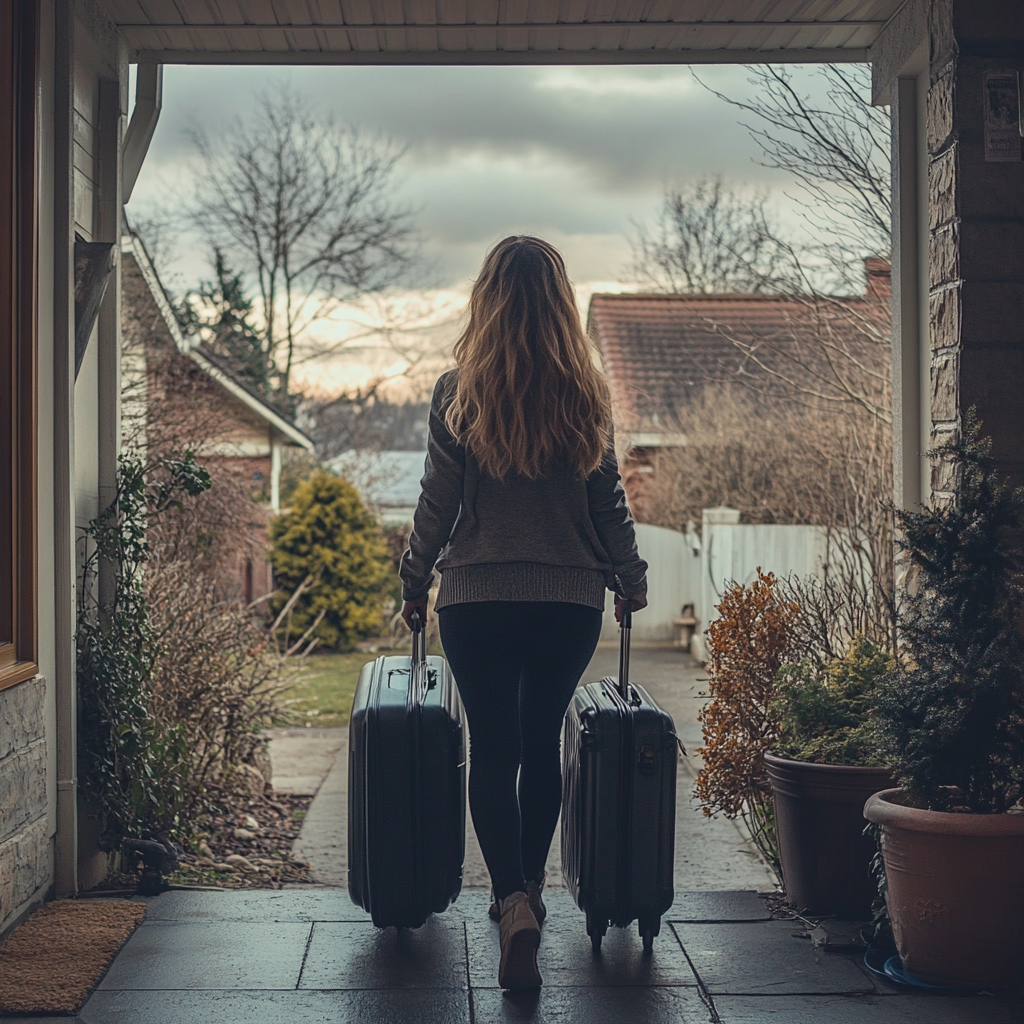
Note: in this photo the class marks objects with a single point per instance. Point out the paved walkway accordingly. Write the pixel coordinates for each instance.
(310, 957)
(710, 853)
(306, 955)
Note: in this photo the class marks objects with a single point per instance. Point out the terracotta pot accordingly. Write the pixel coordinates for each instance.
(956, 892)
(819, 818)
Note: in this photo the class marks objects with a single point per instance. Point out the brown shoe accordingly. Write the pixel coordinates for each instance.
(533, 893)
(520, 937)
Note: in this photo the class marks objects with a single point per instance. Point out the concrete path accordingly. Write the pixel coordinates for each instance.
(710, 853)
(311, 957)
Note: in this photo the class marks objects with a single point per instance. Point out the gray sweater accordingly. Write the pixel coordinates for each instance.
(558, 538)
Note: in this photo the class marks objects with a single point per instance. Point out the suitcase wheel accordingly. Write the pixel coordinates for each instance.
(648, 929)
(596, 927)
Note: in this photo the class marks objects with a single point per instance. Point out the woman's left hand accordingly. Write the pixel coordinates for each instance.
(635, 605)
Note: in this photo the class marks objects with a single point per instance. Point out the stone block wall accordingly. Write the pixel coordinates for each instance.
(26, 858)
(976, 243)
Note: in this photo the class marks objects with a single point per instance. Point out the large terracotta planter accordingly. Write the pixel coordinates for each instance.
(956, 892)
(819, 818)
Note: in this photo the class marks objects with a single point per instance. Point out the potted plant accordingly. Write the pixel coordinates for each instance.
(952, 720)
(824, 767)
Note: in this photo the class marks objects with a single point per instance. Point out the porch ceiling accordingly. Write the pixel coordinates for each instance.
(499, 31)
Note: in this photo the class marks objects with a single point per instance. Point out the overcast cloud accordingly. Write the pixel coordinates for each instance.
(571, 153)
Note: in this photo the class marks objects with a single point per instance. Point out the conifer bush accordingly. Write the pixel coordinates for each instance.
(952, 714)
(330, 538)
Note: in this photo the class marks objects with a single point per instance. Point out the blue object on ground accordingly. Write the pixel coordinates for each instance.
(891, 969)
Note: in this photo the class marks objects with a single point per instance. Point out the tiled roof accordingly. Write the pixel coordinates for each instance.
(660, 351)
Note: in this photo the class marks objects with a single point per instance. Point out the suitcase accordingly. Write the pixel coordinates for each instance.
(407, 789)
(619, 803)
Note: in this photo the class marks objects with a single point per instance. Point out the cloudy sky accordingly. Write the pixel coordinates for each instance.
(576, 154)
(573, 153)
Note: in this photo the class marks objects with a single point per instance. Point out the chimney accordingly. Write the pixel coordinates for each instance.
(878, 271)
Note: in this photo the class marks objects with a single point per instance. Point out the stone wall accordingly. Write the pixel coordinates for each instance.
(976, 242)
(25, 841)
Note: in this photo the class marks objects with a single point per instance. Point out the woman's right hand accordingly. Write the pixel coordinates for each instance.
(635, 605)
(409, 607)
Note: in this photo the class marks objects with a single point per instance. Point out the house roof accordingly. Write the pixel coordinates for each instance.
(660, 351)
(489, 32)
(191, 346)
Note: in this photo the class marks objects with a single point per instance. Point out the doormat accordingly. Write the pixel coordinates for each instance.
(51, 962)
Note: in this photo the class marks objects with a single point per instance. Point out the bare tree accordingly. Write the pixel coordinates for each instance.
(304, 208)
(708, 238)
(838, 151)
(794, 463)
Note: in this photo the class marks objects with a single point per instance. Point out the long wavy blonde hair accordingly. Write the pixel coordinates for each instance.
(528, 392)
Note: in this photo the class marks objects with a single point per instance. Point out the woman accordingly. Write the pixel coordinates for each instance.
(522, 500)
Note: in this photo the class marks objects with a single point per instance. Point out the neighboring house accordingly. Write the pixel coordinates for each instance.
(662, 351)
(389, 481)
(176, 394)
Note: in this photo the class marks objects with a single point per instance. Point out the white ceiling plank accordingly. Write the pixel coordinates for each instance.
(335, 40)
(161, 12)
(198, 12)
(515, 58)
(302, 37)
(229, 11)
(482, 12)
(258, 12)
(357, 12)
(126, 12)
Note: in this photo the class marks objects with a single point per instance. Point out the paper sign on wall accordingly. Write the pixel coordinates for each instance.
(1002, 117)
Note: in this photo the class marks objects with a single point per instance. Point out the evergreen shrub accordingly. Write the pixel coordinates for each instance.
(330, 538)
(827, 711)
(952, 713)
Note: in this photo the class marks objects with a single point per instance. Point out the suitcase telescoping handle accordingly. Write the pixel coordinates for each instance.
(624, 635)
(418, 667)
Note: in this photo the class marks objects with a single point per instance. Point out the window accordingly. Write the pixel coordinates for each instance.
(17, 342)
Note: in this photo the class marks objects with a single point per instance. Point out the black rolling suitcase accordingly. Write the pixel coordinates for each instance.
(407, 789)
(619, 803)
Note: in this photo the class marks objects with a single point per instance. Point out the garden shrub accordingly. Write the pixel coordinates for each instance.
(174, 684)
(826, 712)
(129, 767)
(953, 709)
(747, 646)
(329, 537)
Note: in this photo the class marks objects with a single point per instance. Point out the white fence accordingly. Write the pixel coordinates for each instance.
(686, 569)
(673, 579)
(734, 551)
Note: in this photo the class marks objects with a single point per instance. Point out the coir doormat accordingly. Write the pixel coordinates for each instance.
(51, 962)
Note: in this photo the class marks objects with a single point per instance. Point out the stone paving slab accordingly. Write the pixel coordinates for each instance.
(411, 1006)
(323, 838)
(880, 1009)
(343, 955)
(306, 904)
(591, 1006)
(281, 958)
(718, 907)
(764, 958)
(565, 956)
(210, 955)
(301, 758)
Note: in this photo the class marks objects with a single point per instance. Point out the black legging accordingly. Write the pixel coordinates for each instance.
(517, 664)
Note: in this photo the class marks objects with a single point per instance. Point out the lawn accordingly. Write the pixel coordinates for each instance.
(322, 694)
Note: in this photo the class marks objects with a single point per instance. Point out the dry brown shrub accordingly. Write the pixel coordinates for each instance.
(747, 646)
